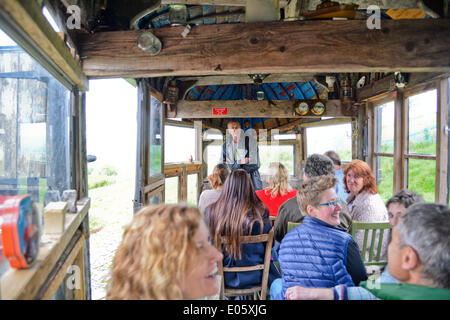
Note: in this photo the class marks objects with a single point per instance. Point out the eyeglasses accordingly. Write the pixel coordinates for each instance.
(332, 204)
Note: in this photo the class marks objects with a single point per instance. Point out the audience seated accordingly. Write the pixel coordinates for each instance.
(339, 174)
(165, 254)
(399, 202)
(316, 165)
(419, 258)
(278, 191)
(364, 202)
(396, 205)
(317, 253)
(239, 212)
(216, 179)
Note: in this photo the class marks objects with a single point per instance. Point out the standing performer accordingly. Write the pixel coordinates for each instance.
(241, 152)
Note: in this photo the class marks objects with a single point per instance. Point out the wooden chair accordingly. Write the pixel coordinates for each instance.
(372, 228)
(272, 220)
(259, 291)
(292, 225)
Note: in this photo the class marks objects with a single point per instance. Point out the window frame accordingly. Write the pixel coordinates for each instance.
(183, 169)
(401, 135)
(377, 155)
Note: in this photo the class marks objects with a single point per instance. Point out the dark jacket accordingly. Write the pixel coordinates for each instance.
(253, 165)
(290, 211)
(252, 254)
(314, 255)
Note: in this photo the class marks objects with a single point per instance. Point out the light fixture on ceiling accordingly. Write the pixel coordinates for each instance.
(149, 43)
(258, 78)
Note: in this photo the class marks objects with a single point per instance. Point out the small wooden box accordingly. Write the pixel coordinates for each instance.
(54, 217)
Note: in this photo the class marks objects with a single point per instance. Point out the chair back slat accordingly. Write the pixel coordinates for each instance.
(261, 289)
(364, 250)
(249, 239)
(374, 243)
(244, 269)
(380, 243)
(292, 225)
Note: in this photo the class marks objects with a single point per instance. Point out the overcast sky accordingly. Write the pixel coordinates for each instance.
(111, 126)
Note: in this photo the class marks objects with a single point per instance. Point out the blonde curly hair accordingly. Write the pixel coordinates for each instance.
(156, 254)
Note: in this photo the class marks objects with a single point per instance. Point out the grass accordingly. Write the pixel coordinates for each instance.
(421, 173)
(111, 197)
(101, 178)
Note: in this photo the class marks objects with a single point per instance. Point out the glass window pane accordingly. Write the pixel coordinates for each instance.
(385, 177)
(276, 153)
(171, 189)
(180, 144)
(214, 154)
(35, 113)
(422, 123)
(192, 183)
(385, 120)
(156, 199)
(155, 136)
(422, 177)
(319, 140)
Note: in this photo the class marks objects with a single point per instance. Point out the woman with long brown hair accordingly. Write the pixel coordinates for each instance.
(239, 212)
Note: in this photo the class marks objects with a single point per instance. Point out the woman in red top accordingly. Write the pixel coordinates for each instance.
(278, 191)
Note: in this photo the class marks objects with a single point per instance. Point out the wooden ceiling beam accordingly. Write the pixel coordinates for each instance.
(245, 79)
(240, 3)
(274, 47)
(252, 109)
(385, 85)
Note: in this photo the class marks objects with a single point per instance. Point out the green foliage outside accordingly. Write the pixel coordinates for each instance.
(171, 190)
(155, 159)
(283, 154)
(386, 184)
(192, 190)
(101, 178)
(421, 173)
(108, 171)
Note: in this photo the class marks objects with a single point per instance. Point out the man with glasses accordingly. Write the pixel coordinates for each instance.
(418, 257)
(318, 253)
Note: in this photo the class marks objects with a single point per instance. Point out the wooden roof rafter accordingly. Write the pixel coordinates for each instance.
(233, 49)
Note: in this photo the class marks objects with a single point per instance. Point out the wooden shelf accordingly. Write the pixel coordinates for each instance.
(24, 284)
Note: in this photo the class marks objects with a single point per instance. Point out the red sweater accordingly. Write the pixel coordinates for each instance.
(274, 203)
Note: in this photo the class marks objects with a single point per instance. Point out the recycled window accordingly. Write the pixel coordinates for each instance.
(180, 144)
(192, 189)
(319, 140)
(421, 152)
(171, 190)
(35, 114)
(155, 137)
(276, 153)
(385, 126)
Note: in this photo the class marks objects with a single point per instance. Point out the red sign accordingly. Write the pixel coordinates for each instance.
(220, 111)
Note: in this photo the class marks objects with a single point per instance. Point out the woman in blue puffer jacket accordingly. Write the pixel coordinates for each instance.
(317, 254)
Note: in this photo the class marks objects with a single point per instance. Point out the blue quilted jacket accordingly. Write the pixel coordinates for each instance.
(314, 255)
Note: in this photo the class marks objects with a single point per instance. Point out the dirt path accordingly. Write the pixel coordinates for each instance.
(111, 210)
